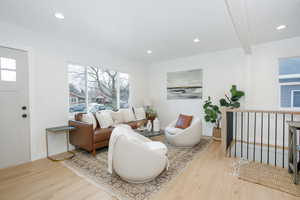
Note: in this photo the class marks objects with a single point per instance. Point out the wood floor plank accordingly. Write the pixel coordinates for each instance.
(207, 177)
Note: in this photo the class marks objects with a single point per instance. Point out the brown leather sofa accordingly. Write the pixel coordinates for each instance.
(85, 137)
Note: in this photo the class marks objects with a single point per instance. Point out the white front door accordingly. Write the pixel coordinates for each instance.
(14, 114)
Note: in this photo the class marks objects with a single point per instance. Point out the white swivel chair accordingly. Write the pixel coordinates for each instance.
(184, 137)
(137, 159)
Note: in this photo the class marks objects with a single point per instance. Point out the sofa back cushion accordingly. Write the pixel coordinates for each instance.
(104, 118)
(184, 121)
(87, 118)
(128, 115)
(117, 117)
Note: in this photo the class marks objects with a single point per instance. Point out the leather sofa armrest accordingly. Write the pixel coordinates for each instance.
(83, 135)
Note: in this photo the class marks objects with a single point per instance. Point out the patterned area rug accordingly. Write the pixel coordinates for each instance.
(95, 169)
(270, 176)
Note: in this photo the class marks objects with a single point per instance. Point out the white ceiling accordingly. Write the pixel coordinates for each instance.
(167, 27)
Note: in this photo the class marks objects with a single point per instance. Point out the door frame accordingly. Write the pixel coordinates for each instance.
(30, 64)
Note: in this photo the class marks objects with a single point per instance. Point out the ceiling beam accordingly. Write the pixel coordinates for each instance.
(237, 11)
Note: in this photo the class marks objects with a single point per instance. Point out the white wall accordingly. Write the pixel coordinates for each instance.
(220, 71)
(48, 59)
(256, 74)
(262, 73)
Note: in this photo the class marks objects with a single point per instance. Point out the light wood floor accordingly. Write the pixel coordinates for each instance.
(207, 177)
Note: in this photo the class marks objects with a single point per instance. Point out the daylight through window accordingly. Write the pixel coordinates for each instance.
(289, 80)
(93, 88)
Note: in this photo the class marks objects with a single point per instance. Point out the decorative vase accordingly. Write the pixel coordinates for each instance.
(149, 126)
(156, 127)
(217, 134)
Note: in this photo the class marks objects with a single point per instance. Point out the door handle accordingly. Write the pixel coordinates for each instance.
(24, 115)
(24, 107)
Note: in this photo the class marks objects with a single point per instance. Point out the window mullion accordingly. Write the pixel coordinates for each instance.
(86, 89)
(118, 90)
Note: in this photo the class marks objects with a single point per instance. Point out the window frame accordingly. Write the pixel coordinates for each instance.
(292, 99)
(291, 108)
(86, 85)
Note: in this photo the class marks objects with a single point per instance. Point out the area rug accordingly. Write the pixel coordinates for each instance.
(269, 176)
(94, 169)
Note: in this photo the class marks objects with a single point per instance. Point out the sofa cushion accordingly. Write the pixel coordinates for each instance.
(128, 115)
(102, 134)
(89, 118)
(139, 113)
(117, 117)
(183, 121)
(104, 118)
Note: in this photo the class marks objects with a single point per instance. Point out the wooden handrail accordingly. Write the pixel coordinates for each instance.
(264, 111)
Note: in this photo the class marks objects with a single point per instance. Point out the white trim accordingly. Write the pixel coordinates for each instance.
(289, 76)
(290, 83)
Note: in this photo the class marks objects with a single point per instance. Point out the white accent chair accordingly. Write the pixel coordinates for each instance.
(188, 137)
(137, 159)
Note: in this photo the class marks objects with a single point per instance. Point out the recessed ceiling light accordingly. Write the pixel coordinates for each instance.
(59, 15)
(196, 40)
(149, 51)
(281, 27)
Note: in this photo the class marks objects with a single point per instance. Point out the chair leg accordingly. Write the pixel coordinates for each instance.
(94, 152)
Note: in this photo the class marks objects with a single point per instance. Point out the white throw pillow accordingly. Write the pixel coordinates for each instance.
(104, 118)
(90, 119)
(128, 115)
(117, 117)
(140, 113)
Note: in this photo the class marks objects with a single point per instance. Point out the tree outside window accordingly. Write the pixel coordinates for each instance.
(106, 89)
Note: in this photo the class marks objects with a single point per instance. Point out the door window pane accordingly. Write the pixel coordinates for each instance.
(7, 75)
(7, 63)
(77, 90)
(124, 90)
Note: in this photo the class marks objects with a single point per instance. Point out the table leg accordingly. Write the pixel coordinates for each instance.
(295, 163)
(47, 151)
(290, 147)
(67, 135)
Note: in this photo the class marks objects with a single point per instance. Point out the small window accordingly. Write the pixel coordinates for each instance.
(295, 98)
(289, 81)
(8, 69)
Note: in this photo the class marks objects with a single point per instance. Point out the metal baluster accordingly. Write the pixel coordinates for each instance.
(268, 138)
(242, 126)
(248, 136)
(261, 136)
(283, 137)
(254, 136)
(275, 139)
(235, 134)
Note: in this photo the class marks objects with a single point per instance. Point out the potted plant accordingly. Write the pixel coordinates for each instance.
(213, 115)
(150, 114)
(232, 102)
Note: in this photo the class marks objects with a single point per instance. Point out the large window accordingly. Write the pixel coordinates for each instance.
(289, 80)
(93, 88)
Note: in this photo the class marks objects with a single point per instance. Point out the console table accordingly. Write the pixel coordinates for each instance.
(57, 130)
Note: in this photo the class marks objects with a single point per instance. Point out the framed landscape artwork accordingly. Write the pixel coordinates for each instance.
(184, 84)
